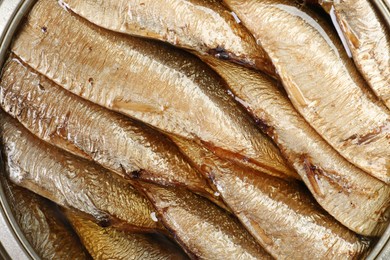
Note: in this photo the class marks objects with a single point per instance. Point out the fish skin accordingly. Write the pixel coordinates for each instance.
(356, 199)
(80, 127)
(203, 230)
(41, 224)
(72, 182)
(109, 243)
(206, 27)
(69, 51)
(369, 41)
(280, 215)
(326, 87)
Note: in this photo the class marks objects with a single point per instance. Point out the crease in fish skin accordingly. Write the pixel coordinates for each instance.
(72, 182)
(283, 217)
(117, 143)
(206, 27)
(166, 88)
(321, 81)
(41, 224)
(110, 243)
(369, 41)
(203, 230)
(330, 178)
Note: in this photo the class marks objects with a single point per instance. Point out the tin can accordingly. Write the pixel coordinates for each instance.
(13, 244)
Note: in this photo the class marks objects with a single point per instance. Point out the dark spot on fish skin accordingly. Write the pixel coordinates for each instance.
(142, 4)
(220, 53)
(90, 80)
(136, 174)
(44, 29)
(41, 87)
(104, 222)
(90, 48)
(267, 129)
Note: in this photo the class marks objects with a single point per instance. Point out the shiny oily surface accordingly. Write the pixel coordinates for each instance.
(204, 26)
(164, 87)
(326, 87)
(110, 243)
(369, 41)
(42, 225)
(356, 199)
(72, 182)
(281, 216)
(204, 230)
(87, 130)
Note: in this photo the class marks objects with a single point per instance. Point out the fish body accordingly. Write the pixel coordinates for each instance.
(321, 81)
(206, 27)
(282, 216)
(356, 199)
(119, 144)
(42, 225)
(203, 230)
(72, 182)
(368, 39)
(109, 243)
(166, 88)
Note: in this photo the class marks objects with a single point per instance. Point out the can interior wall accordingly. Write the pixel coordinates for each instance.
(13, 244)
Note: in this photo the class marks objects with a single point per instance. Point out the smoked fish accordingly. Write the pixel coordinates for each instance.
(166, 88)
(280, 215)
(110, 243)
(42, 224)
(368, 39)
(321, 81)
(72, 182)
(203, 26)
(116, 142)
(356, 199)
(203, 230)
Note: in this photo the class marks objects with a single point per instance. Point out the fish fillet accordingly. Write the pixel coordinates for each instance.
(72, 182)
(356, 199)
(112, 140)
(203, 230)
(369, 41)
(154, 83)
(41, 224)
(109, 243)
(322, 83)
(206, 27)
(283, 217)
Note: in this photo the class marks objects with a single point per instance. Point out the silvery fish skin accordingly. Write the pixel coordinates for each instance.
(109, 243)
(206, 27)
(369, 41)
(41, 224)
(356, 199)
(154, 83)
(203, 230)
(112, 140)
(73, 182)
(283, 217)
(321, 81)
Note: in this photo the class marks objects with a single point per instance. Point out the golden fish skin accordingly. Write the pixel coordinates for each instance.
(356, 199)
(41, 224)
(322, 83)
(72, 182)
(283, 217)
(206, 27)
(112, 140)
(154, 83)
(369, 41)
(203, 230)
(109, 243)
